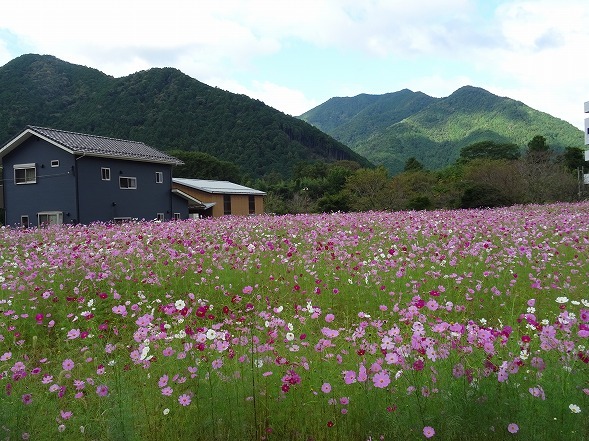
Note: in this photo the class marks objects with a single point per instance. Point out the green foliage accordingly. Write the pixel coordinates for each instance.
(573, 158)
(413, 164)
(204, 166)
(483, 196)
(538, 144)
(489, 150)
(367, 189)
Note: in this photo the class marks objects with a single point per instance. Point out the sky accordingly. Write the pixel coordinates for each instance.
(295, 55)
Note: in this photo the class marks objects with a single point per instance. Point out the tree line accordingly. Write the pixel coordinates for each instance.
(486, 174)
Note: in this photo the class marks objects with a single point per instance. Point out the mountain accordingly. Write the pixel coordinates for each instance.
(391, 128)
(163, 108)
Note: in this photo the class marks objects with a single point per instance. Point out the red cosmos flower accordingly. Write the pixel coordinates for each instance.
(526, 338)
(330, 423)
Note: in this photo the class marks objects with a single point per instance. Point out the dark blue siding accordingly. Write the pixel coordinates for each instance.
(55, 187)
(101, 200)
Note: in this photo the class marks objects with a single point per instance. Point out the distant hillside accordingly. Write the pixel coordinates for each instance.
(388, 129)
(163, 108)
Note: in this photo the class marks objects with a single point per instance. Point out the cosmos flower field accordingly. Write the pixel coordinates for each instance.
(451, 325)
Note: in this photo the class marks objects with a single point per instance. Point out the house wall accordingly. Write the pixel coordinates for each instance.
(54, 189)
(239, 202)
(104, 200)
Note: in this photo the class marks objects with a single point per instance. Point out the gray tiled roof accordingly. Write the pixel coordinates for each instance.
(93, 145)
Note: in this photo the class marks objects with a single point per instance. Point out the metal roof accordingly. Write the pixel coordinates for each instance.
(221, 187)
(92, 145)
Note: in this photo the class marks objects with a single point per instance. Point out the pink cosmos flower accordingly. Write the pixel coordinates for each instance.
(512, 428)
(67, 364)
(381, 379)
(65, 414)
(428, 431)
(349, 377)
(184, 399)
(167, 391)
(102, 390)
(326, 388)
(27, 398)
(163, 381)
(329, 318)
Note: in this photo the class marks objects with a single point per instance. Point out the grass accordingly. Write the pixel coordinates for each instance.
(455, 325)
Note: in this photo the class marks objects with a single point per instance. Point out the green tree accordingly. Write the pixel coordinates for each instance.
(538, 144)
(573, 158)
(412, 164)
(489, 150)
(367, 189)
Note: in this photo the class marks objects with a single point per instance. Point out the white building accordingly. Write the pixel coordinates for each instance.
(586, 176)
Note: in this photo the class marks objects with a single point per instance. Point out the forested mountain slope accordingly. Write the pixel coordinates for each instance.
(389, 129)
(163, 108)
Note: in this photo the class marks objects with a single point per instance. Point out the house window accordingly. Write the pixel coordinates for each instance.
(160, 217)
(176, 216)
(50, 218)
(121, 220)
(55, 163)
(252, 204)
(226, 204)
(159, 177)
(129, 183)
(25, 174)
(24, 221)
(105, 173)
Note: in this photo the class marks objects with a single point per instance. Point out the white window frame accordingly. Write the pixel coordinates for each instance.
(121, 220)
(24, 221)
(160, 217)
(131, 180)
(27, 179)
(105, 173)
(177, 216)
(50, 214)
(55, 163)
(159, 177)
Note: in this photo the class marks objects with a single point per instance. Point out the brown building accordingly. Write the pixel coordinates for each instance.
(218, 198)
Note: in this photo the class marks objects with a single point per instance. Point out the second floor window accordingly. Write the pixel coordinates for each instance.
(159, 177)
(25, 174)
(128, 183)
(105, 172)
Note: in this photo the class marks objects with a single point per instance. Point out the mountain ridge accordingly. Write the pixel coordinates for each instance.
(435, 130)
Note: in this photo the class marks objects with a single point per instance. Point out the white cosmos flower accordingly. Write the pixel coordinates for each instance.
(180, 305)
(211, 334)
(562, 299)
(290, 336)
(574, 408)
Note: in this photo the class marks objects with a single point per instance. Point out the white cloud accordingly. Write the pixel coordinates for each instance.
(530, 50)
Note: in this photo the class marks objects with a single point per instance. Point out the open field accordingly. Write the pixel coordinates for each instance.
(451, 325)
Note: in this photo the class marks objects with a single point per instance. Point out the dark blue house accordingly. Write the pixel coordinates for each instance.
(54, 177)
